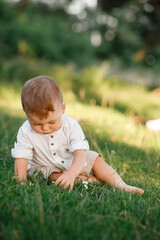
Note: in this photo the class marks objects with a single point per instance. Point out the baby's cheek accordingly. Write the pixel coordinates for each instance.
(36, 129)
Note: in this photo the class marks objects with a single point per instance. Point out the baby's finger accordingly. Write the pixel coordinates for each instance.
(71, 187)
(58, 180)
(62, 183)
(65, 186)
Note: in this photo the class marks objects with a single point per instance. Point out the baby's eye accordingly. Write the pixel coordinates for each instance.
(52, 122)
(36, 124)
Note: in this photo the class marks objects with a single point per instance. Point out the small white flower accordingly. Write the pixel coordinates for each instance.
(85, 183)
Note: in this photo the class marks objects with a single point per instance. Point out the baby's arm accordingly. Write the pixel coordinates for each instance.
(20, 169)
(67, 178)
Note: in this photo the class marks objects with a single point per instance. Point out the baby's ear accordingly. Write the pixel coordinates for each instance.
(63, 107)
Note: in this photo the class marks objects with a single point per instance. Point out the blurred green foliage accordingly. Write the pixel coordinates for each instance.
(88, 84)
(128, 30)
(36, 31)
(75, 49)
(133, 29)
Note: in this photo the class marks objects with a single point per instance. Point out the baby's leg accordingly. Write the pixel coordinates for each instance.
(107, 174)
(55, 175)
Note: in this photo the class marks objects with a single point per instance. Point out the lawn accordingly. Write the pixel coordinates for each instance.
(43, 211)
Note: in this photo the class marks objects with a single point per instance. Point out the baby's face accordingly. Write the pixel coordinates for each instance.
(49, 124)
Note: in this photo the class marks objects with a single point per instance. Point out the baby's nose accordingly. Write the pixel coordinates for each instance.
(44, 127)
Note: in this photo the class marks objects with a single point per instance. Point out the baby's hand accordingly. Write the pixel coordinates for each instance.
(66, 180)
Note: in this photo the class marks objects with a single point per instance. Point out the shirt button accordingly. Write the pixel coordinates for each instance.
(52, 136)
(52, 144)
(54, 154)
(62, 161)
(67, 149)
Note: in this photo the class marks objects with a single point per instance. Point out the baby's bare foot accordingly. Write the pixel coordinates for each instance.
(92, 179)
(54, 176)
(80, 178)
(132, 189)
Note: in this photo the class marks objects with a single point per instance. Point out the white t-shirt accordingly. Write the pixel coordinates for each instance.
(55, 148)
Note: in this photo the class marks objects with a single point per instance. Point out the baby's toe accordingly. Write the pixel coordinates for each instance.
(140, 191)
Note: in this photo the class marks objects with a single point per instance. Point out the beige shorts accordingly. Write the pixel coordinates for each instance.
(46, 171)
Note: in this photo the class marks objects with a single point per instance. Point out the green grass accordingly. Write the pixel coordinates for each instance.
(44, 212)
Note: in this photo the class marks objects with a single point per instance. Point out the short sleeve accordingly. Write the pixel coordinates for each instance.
(23, 148)
(77, 138)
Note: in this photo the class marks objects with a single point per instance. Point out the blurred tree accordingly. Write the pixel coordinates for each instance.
(137, 34)
(36, 30)
(108, 6)
(81, 31)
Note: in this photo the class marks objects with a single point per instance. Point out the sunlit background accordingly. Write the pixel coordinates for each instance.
(124, 34)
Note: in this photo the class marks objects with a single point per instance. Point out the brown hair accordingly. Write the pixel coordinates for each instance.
(41, 95)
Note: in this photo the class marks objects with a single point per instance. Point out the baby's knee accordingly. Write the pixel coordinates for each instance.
(98, 160)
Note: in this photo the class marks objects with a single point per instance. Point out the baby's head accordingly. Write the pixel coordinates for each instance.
(41, 95)
(42, 102)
